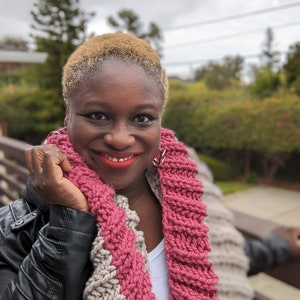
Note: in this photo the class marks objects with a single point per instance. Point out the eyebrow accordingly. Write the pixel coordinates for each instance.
(106, 105)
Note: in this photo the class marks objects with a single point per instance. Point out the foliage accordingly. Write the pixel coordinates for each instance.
(8, 79)
(30, 113)
(204, 121)
(128, 21)
(21, 76)
(270, 58)
(228, 187)
(292, 67)
(267, 77)
(252, 178)
(220, 169)
(219, 76)
(266, 83)
(270, 125)
(61, 27)
(296, 85)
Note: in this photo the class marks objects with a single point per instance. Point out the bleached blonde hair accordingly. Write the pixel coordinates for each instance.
(88, 57)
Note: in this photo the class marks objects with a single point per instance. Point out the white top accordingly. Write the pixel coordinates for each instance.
(159, 271)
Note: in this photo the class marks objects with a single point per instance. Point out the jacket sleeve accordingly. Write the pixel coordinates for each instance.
(266, 252)
(57, 264)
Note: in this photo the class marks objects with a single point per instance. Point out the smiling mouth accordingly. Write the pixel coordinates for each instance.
(115, 159)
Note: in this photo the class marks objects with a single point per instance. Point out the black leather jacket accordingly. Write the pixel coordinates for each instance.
(266, 253)
(44, 252)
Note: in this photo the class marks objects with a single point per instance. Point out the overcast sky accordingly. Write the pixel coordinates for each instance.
(233, 27)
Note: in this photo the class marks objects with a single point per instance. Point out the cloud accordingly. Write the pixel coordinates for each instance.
(15, 20)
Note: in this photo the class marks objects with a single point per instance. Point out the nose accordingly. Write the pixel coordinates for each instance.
(119, 137)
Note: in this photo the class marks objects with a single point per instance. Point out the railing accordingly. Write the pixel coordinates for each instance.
(252, 227)
(13, 173)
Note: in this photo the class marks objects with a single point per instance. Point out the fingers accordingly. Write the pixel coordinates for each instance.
(46, 160)
(55, 163)
(296, 241)
(292, 237)
(296, 234)
(47, 164)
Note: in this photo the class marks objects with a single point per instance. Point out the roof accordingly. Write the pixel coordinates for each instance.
(22, 57)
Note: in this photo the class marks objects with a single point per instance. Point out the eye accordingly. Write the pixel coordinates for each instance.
(98, 116)
(143, 119)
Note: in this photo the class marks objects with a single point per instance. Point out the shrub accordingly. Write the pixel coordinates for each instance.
(265, 84)
(220, 169)
(252, 178)
(31, 113)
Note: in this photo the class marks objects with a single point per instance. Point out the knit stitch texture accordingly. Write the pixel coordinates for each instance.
(119, 254)
(227, 244)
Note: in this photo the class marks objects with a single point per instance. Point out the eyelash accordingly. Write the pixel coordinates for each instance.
(101, 115)
(93, 116)
(150, 119)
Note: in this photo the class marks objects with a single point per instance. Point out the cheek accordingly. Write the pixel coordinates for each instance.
(76, 135)
(154, 141)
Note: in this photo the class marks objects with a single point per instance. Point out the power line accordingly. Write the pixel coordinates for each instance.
(198, 61)
(233, 17)
(223, 37)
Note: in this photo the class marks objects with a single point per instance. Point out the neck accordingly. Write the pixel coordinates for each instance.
(144, 203)
(135, 193)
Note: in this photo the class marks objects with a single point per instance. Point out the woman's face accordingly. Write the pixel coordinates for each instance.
(115, 124)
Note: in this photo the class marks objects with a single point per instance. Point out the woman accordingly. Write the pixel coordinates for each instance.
(113, 209)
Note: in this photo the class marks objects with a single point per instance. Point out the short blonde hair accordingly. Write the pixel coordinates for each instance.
(88, 57)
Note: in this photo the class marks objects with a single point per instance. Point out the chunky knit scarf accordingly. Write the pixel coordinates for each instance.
(119, 254)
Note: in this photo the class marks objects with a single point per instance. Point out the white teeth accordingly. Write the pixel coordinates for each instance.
(118, 159)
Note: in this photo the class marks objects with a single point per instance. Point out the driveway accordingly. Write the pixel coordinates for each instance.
(280, 206)
(275, 204)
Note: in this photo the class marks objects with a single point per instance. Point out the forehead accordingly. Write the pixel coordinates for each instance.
(114, 83)
(121, 69)
(120, 74)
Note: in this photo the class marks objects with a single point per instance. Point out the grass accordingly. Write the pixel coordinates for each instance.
(229, 187)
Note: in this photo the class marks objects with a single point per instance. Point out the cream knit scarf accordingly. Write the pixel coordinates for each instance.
(118, 253)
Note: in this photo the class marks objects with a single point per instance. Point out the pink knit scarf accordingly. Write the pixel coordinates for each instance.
(119, 254)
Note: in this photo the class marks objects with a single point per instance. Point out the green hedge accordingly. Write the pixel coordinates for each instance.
(220, 169)
(204, 121)
(31, 113)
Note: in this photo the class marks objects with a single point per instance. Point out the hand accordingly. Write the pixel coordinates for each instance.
(292, 236)
(47, 165)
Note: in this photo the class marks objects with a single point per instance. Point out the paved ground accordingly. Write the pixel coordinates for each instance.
(277, 205)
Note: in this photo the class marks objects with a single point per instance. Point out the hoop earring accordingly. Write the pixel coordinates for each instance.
(159, 158)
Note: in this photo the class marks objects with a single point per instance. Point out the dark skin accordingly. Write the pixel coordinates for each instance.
(292, 236)
(150, 213)
(114, 124)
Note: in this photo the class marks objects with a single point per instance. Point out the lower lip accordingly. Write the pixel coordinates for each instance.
(119, 165)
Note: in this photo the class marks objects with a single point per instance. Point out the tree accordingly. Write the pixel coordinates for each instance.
(269, 57)
(269, 129)
(128, 21)
(266, 78)
(62, 26)
(221, 75)
(265, 84)
(292, 67)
